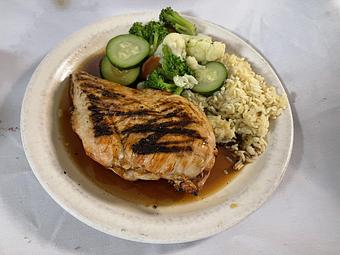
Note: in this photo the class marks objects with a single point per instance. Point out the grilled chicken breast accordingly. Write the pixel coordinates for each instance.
(142, 134)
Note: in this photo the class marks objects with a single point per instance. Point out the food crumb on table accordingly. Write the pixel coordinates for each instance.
(233, 205)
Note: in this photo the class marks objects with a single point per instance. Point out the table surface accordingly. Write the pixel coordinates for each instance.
(302, 41)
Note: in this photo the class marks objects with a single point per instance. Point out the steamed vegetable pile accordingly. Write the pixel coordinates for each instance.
(167, 55)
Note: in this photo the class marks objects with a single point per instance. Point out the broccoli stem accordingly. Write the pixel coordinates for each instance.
(155, 44)
(178, 90)
(174, 19)
(181, 25)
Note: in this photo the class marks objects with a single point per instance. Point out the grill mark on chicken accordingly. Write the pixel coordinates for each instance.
(93, 98)
(100, 127)
(176, 113)
(112, 95)
(87, 86)
(99, 110)
(150, 143)
(175, 142)
(133, 113)
(164, 127)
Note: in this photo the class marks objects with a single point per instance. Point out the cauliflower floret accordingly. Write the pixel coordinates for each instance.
(204, 49)
(186, 81)
(200, 48)
(177, 44)
(141, 85)
(193, 64)
(215, 51)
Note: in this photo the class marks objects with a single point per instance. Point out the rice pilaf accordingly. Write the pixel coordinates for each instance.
(241, 110)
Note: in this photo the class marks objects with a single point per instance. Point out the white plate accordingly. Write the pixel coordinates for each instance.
(92, 205)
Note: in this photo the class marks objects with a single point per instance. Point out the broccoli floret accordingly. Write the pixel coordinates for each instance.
(173, 19)
(156, 81)
(173, 65)
(154, 32)
(162, 78)
(137, 29)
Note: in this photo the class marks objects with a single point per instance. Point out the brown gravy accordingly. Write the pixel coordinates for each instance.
(149, 193)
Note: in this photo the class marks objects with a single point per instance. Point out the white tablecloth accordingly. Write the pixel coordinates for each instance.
(302, 41)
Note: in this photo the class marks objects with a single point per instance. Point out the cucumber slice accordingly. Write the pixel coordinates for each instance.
(127, 51)
(112, 73)
(211, 78)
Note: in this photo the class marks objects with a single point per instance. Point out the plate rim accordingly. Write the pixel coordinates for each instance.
(120, 234)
